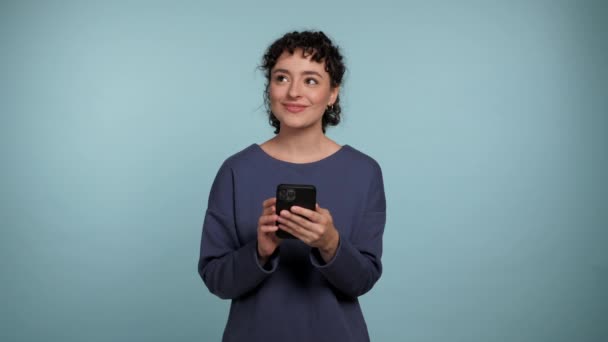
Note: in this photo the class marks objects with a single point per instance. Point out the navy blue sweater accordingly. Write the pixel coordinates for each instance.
(296, 296)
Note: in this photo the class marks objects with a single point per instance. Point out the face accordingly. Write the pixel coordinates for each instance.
(300, 91)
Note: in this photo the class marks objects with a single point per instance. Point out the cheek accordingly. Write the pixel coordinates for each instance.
(321, 97)
(275, 93)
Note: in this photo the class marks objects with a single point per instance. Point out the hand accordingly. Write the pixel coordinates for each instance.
(267, 239)
(314, 228)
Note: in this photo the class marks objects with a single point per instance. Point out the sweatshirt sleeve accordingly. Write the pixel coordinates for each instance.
(228, 267)
(357, 266)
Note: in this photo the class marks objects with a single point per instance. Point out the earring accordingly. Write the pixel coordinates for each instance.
(330, 107)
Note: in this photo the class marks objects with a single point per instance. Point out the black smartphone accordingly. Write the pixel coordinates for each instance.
(301, 195)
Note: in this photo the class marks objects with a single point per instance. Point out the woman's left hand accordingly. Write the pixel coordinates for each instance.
(314, 228)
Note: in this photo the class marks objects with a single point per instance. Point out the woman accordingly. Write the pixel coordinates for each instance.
(303, 289)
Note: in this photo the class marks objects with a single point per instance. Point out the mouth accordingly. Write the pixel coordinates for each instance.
(294, 108)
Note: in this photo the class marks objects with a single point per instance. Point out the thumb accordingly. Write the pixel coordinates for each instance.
(319, 209)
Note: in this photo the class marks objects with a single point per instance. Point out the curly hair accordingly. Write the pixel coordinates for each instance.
(320, 49)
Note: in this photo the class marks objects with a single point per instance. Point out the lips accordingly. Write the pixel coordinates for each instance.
(294, 108)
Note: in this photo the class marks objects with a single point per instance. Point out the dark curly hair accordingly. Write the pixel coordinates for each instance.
(320, 49)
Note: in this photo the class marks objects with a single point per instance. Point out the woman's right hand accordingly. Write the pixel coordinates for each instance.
(268, 241)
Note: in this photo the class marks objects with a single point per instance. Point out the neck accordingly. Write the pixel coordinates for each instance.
(302, 142)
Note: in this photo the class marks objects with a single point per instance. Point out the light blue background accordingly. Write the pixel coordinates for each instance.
(489, 119)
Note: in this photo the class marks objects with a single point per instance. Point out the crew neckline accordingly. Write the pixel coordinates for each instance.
(323, 160)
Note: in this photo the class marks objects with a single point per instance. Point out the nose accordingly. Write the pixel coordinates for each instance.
(294, 90)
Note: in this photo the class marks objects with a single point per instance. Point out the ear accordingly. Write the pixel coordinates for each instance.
(334, 92)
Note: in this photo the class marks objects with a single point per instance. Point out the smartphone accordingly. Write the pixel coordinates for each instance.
(288, 195)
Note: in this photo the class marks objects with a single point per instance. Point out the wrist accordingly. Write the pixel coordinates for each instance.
(261, 253)
(262, 259)
(331, 245)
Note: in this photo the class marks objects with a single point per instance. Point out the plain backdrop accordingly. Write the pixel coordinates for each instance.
(489, 119)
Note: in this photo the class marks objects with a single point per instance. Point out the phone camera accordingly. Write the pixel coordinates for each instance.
(288, 195)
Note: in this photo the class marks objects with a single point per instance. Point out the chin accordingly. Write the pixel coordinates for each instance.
(297, 125)
(296, 121)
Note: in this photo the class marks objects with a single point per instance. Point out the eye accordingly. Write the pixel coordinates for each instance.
(311, 81)
(280, 78)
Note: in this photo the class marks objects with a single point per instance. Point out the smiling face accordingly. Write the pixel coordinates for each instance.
(300, 91)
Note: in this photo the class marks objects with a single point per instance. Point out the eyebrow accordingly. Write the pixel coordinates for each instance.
(306, 72)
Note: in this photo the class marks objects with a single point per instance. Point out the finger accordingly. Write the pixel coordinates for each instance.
(293, 232)
(309, 214)
(267, 219)
(269, 210)
(321, 209)
(288, 218)
(268, 229)
(299, 230)
(269, 202)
